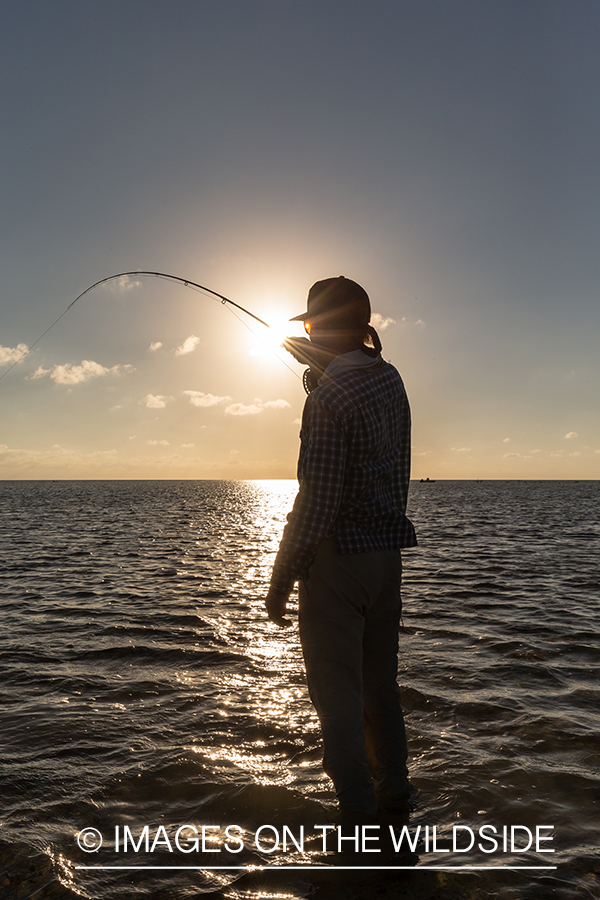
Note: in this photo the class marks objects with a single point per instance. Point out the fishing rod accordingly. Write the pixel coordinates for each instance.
(186, 282)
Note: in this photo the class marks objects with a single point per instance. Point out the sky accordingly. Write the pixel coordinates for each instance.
(442, 154)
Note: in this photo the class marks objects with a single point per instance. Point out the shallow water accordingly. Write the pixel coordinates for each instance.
(142, 685)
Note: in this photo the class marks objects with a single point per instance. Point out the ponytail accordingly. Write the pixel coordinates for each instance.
(374, 338)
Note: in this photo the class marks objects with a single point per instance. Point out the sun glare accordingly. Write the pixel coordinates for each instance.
(268, 340)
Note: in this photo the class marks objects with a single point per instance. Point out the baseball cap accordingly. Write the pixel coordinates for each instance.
(335, 299)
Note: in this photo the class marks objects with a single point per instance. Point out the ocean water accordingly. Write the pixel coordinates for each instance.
(141, 685)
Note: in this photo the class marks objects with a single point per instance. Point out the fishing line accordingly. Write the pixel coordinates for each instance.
(186, 282)
(263, 342)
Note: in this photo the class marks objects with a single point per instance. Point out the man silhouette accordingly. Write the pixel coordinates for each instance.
(342, 543)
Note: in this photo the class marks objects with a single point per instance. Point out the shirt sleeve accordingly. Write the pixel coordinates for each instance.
(403, 468)
(321, 471)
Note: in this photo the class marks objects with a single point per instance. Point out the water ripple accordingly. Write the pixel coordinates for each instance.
(142, 682)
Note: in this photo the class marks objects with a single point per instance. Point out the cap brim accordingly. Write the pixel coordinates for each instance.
(301, 318)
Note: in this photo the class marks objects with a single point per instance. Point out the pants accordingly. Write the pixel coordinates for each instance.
(349, 617)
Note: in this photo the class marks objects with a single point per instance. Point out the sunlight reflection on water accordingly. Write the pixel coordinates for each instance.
(142, 680)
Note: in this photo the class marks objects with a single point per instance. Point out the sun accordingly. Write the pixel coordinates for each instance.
(268, 341)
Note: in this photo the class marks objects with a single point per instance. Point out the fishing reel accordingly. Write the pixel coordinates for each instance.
(310, 380)
(312, 355)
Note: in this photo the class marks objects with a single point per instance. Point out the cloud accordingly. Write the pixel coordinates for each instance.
(461, 449)
(381, 322)
(188, 345)
(85, 371)
(571, 434)
(124, 283)
(59, 461)
(158, 443)
(152, 462)
(155, 345)
(154, 401)
(516, 455)
(240, 409)
(198, 398)
(12, 354)
(20, 460)
(506, 440)
(276, 404)
(188, 445)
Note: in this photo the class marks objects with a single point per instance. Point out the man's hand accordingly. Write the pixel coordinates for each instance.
(308, 353)
(276, 606)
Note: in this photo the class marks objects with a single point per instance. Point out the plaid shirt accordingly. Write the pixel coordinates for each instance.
(353, 471)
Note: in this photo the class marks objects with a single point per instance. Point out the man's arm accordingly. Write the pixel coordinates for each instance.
(321, 475)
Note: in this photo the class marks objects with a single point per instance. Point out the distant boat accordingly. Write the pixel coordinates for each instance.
(427, 481)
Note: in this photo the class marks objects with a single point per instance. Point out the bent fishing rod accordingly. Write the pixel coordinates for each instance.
(186, 282)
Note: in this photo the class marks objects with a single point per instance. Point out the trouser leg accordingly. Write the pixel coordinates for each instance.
(384, 718)
(351, 668)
